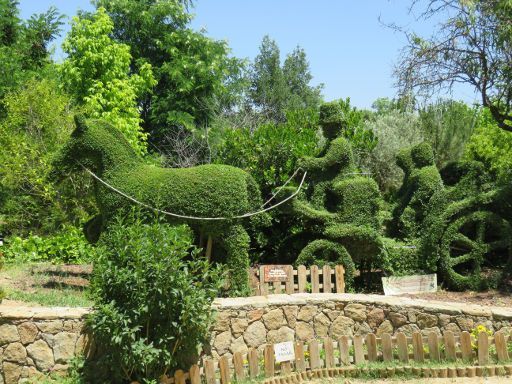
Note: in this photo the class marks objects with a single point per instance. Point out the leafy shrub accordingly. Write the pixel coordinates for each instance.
(394, 131)
(67, 246)
(153, 295)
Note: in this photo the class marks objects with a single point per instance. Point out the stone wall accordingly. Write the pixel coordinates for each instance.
(254, 321)
(35, 340)
(40, 340)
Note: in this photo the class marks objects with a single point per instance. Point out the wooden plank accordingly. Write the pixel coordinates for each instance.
(302, 278)
(329, 352)
(387, 347)
(483, 348)
(276, 286)
(326, 279)
(403, 352)
(300, 361)
(358, 349)
(195, 374)
(340, 278)
(238, 363)
(449, 346)
(315, 279)
(371, 345)
(263, 285)
(290, 285)
(179, 377)
(417, 347)
(286, 368)
(465, 346)
(269, 360)
(209, 371)
(501, 346)
(314, 355)
(433, 347)
(254, 367)
(343, 346)
(225, 375)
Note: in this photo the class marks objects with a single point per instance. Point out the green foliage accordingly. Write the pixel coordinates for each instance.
(447, 125)
(67, 246)
(24, 44)
(153, 295)
(196, 78)
(276, 89)
(270, 152)
(401, 259)
(421, 181)
(204, 191)
(393, 131)
(97, 74)
(38, 122)
(492, 146)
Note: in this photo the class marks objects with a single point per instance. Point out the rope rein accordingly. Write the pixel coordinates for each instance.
(246, 215)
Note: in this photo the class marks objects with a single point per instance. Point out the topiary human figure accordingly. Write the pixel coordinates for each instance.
(421, 181)
(203, 191)
(342, 209)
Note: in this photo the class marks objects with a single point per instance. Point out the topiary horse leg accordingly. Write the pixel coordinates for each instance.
(236, 243)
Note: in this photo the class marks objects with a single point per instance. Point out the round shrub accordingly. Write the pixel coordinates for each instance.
(153, 295)
(422, 155)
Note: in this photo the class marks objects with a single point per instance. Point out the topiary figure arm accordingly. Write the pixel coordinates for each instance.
(339, 154)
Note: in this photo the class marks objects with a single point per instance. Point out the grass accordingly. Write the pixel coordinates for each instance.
(21, 284)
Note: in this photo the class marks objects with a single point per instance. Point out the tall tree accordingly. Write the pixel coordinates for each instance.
(473, 45)
(195, 74)
(97, 74)
(24, 45)
(275, 88)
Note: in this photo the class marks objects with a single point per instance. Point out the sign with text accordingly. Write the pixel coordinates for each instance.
(397, 285)
(284, 351)
(276, 272)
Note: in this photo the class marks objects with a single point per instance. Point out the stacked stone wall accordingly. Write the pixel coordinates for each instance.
(35, 341)
(39, 340)
(252, 322)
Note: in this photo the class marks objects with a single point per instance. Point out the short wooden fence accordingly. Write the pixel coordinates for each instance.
(328, 357)
(326, 279)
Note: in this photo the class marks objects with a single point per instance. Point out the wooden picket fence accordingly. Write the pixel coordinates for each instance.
(350, 355)
(315, 280)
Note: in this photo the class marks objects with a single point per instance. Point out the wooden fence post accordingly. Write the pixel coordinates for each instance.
(225, 375)
(314, 355)
(344, 348)
(449, 346)
(358, 349)
(195, 374)
(483, 348)
(209, 371)
(433, 347)
(465, 346)
(417, 347)
(501, 346)
(254, 368)
(238, 363)
(269, 360)
(263, 285)
(340, 278)
(326, 279)
(315, 279)
(302, 278)
(387, 347)
(403, 351)
(290, 284)
(300, 362)
(329, 352)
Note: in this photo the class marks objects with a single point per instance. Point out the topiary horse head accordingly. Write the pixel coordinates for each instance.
(204, 191)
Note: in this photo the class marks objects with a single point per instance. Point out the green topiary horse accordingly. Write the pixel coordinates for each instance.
(203, 191)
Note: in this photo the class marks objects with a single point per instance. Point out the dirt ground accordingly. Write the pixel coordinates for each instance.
(461, 380)
(494, 298)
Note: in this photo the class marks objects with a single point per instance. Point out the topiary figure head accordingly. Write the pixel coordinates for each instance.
(404, 160)
(422, 155)
(331, 119)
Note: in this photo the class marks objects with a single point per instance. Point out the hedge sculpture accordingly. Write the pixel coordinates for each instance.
(421, 181)
(340, 207)
(467, 231)
(203, 191)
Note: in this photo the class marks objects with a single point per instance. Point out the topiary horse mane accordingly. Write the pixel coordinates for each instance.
(202, 191)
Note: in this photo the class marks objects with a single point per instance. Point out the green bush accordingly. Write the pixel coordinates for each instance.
(153, 295)
(67, 246)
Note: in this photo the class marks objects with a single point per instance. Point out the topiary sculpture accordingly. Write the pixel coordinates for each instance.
(467, 231)
(203, 191)
(341, 209)
(421, 181)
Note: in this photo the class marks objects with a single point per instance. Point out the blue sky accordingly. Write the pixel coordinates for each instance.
(348, 48)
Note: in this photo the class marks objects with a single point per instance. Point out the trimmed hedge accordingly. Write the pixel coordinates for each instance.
(203, 191)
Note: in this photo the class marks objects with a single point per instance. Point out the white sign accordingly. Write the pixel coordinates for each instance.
(284, 352)
(397, 285)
